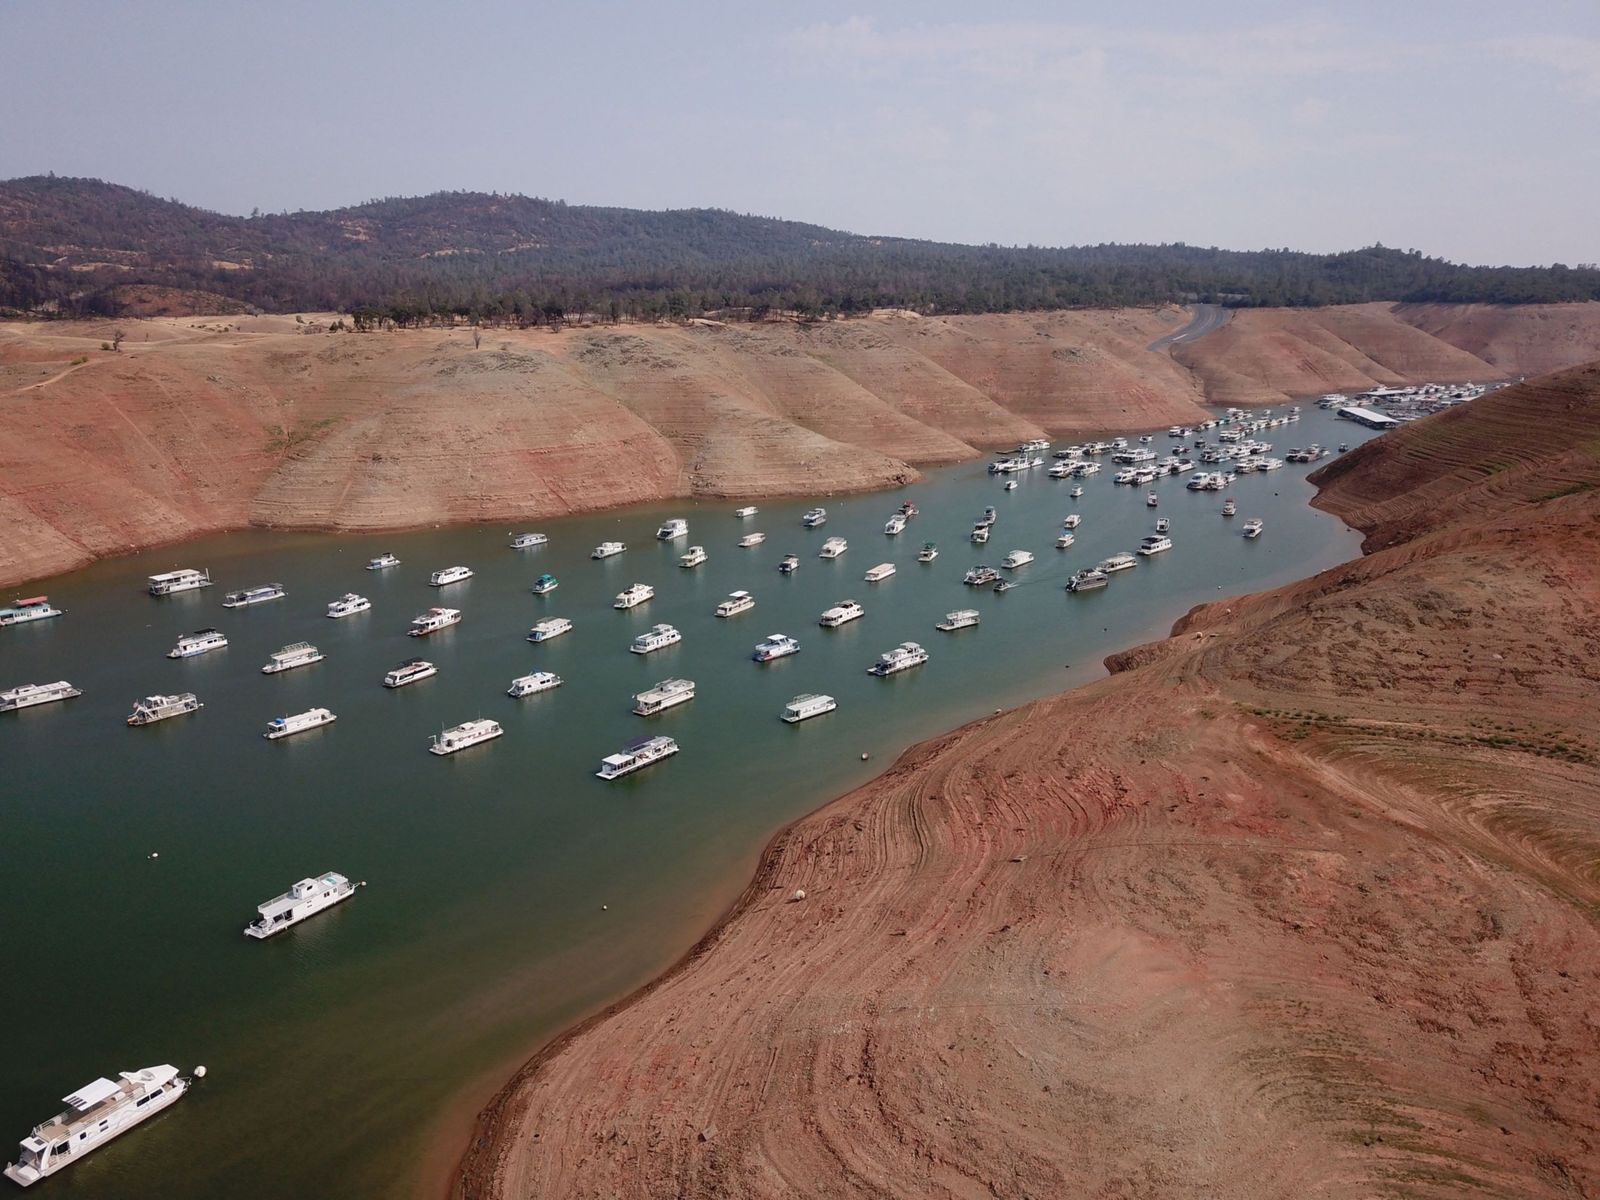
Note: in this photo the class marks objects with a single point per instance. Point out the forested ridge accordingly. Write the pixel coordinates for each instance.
(82, 247)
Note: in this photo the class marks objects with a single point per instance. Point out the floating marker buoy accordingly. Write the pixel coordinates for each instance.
(199, 1072)
(864, 756)
(154, 854)
(605, 908)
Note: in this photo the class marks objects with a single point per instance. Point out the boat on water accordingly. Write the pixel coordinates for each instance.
(1152, 500)
(980, 534)
(902, 658)
(775, 645)
(990, 516)
(434, 620)
(789, 564)
(1005, 585)
(449, 575)
(464, 736)
(254, 595)
(1016, 558)
(657, 637)
(833, 547)
(26, 695)
(879, 573)
(806, 706)
(841, 613)
(295, 654)
(1229, 507)
(1011, 485)
(34, 608)
(962, 618)
(749, 510)
(635, 756)
(187, 579)
(736, 603)
(1155, 543)
(751, 539)
(670, 530)
(1065, 540)
(545, 584)
(530, 685)
(980, 576)
(312, 718)
(813, 517)
(1072, 520)
(895, 524)
(1117, 562)
(300, 903)
(158, 708)
(382, 562)
(1163, 525)
(633, 595)
(96, 1113)
(201, 641)
(1252, 528)
(669, 693)
(928, 553)
(409, 671)
(1087, 580)
(1076, 492)
(695, 556)
(607, 549)
(526, 541)
(348, 605)
(907, 509)
(550, 627)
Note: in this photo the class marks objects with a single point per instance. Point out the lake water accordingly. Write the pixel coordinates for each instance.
(336, 1050)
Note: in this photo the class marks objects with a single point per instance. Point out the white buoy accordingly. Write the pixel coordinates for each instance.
(864, 756)
(199, 1072)
(153, 854)
(605, 908)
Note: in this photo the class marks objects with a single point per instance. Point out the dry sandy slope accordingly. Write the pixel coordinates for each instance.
(201, 424)
(1301, 902)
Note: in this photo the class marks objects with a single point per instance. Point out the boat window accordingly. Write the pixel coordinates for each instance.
(63, 1147)
(141, 1101)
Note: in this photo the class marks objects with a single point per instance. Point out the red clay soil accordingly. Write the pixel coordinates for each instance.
(203, 424)
(1301, 901)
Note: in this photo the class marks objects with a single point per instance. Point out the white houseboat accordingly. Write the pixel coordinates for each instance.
(382, 562)
(607, 550)
(409, 671)
(895, 524)
(980, 576)
(833, 547)
(95, 1113)
(526, 541)
(928, 553)
(635, 756)
(696, 556)
(304, 900)
(312, 718)
(254, 595)
(962, 618)
(295, 654)
(789, 564)
(775, 645)
(531, 685)
(841, 613)
(434, 620)
(657, 637)
(633, 595)
(186, 580)
(348, 605)
(1016, 558)
(550, 627)
(545, 584)
(1089, 579)
(448, 576)
(1155, 543)
(34, 608)
(464, 736)
(1118, 562)
(806, 706)
(750, 540)
(201, 641)
(749, 510)
(902, 658)
(26, 695)
(879, 573)
(158, 708)
(736, 603)
(673, 529)
(1252, 528)
(669, 693)
(1065, 541)
(813, 517)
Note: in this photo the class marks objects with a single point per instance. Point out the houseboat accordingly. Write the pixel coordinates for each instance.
(879, 573)
(980, 576)
(171, 582)
(434, 620)
(633, 595)
(201, 641)
(295, 654)
(301, 902)
(635, 756)
(806, 706)
(736, 603)
(530, 685)
(607, 550)
(254, 595)
(657, 637)
(1065, 540)
(526, 541)
(671, 530)
(448, 576)
(545, 584)
(1155, 543)
(1016, 558)
(312, 718)
(695, 556)
(34, 608)
(902, 658)
(775, 645)
(928, 553)
(789, 564)
(348, 605)
(550, 627)
(382, 562)
(409, 671)
(751, 540)
(26, 695)
(669, 693)
(749, 510)
(1118, 562)
(895, 525)
(96, 1113)
(841, 613)
(464, 736)
(1089, 579)
(962, 618)
(833, 547)
(1252, 528)
(813, 517)
(158, 708)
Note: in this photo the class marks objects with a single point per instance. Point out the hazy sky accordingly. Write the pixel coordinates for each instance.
(1466, 129)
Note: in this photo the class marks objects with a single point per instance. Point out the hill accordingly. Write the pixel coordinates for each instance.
(82, 247)
(1300, 901)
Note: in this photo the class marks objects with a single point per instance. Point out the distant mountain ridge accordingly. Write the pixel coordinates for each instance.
(86, 247)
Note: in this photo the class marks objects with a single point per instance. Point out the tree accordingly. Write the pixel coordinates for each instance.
(116, 340)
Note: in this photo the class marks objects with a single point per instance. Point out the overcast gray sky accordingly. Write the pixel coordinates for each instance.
(1464, 129)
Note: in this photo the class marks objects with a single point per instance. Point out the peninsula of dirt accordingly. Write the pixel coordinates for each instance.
(1301, 901)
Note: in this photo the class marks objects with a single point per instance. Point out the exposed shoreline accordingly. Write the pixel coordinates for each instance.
(1198, 667)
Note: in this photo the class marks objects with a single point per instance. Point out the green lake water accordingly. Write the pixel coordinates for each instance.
(335, 1050)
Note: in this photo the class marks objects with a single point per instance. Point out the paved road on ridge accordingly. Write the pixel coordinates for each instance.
(1205, 318)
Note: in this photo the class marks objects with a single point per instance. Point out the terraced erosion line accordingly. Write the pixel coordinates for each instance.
(1300, 901)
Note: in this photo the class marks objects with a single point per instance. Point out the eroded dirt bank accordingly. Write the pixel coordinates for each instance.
(203, 424)
(1301, 901)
